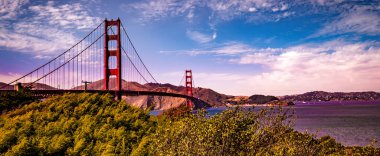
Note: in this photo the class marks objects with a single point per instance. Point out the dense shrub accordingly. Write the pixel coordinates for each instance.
(9, 100)
(175, 113)
(236, 132)
(76, 124)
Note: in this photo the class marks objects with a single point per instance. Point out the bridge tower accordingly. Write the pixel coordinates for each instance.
(108, 53)
(189, 86)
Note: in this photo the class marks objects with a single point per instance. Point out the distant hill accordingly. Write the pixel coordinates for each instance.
(34, 86)
(335, 96)
(261, 99)
(210, 96)
(254, 99)
(7, 87)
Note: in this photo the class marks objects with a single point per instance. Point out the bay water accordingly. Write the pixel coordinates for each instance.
(352, 123)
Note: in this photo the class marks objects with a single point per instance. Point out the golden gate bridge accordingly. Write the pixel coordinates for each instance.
(104, 58)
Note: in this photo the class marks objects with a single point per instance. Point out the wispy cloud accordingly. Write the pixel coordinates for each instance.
(200, 37)
(259, 11)
(54, 41)
(220, 9)
(48, 28)
(362, 20)
(326, 2)
(10, 8)
(65, 15)
(156, 10)
(228, 49)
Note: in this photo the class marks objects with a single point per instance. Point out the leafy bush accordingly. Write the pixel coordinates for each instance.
(176, 113)
(236, 132)
(77, 124)
(9, 100)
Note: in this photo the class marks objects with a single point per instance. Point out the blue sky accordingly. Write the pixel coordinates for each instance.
(234, 47)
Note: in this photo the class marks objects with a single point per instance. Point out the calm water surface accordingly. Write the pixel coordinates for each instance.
(350, 123)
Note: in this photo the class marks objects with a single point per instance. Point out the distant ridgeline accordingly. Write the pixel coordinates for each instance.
(314, 96)
(336, 96)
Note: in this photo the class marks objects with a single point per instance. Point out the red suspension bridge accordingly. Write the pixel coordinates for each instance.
(106, 59)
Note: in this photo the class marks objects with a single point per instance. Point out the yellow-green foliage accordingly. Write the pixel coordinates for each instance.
(77, 124)
(94, 124)
(240, 132)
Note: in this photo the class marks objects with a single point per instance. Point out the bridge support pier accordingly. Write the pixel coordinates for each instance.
(18, 87)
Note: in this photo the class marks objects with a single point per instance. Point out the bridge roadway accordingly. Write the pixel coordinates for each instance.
(45, 93)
